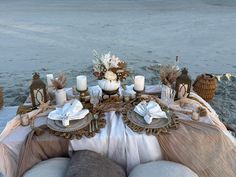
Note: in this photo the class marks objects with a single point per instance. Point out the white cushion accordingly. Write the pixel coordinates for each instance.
(162, 169)
(55, 167)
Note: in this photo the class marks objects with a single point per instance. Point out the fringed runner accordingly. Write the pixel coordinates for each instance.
(125, 107)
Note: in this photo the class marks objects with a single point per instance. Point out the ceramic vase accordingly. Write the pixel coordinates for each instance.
(108, 85)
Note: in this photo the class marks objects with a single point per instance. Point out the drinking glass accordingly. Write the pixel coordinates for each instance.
(167, 95)
(95, 97)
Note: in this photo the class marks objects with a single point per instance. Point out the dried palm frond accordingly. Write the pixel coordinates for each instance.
(60, 82)
(168, 74)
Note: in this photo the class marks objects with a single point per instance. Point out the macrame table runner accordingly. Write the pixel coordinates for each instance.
(130, 118)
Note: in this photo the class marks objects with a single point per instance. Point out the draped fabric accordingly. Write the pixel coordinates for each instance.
(206, 146)
(202, 147)
(39, 146)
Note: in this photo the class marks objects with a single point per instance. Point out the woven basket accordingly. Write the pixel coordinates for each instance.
(1, 98)
(205, 85)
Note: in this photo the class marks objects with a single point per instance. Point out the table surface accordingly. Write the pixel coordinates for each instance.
(110, 141)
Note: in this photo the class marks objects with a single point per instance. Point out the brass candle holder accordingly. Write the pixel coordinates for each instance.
(82, 94)
(139, 93)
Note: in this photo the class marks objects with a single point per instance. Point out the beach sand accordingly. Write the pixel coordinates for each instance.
(59, 36)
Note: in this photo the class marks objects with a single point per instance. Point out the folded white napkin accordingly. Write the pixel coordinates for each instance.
(149, 111)
(70, 111)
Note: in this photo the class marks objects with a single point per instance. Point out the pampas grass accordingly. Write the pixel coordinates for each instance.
(168, 74)
(60, 82)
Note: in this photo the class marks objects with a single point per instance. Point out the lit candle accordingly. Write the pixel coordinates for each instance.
(81, 83)
(49, 79)
(139, 83)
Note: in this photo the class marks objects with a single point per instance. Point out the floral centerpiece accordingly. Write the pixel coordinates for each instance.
(110, 71)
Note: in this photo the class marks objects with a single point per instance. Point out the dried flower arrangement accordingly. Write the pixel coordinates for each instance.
(60, 82)
(169, 73)
(109, 67)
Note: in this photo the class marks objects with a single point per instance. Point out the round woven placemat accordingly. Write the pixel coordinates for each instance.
(75, 125)
(87, 127)
(137, 123)
(139, 120)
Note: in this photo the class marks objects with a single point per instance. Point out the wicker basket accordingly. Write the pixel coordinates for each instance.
(205, 85)
(1, 98)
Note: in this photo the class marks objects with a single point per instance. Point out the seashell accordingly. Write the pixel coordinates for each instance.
(195, 116)
(108, 85)
(202, 112)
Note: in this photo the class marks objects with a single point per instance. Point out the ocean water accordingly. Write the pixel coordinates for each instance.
(59, 36)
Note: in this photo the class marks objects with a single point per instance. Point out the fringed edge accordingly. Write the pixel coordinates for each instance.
(80, 133)
(174, 124)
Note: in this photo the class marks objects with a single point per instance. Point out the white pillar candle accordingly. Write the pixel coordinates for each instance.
(49, 79)
(139, 83)
(81, 83)
(60, 96)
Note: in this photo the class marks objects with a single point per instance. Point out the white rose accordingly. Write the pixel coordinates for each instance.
(109, 75)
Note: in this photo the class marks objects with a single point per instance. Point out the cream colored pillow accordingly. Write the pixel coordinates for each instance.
(55, 167)
(162, 169)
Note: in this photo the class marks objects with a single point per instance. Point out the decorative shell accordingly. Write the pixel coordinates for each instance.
(108, 85)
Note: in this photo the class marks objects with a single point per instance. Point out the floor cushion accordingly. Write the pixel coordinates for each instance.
(55, 167)
(162, 169)
(90, 164)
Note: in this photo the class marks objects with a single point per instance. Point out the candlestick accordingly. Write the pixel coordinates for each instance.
(49, 79)
(139, 93)
(81, 83)
(139, 83)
